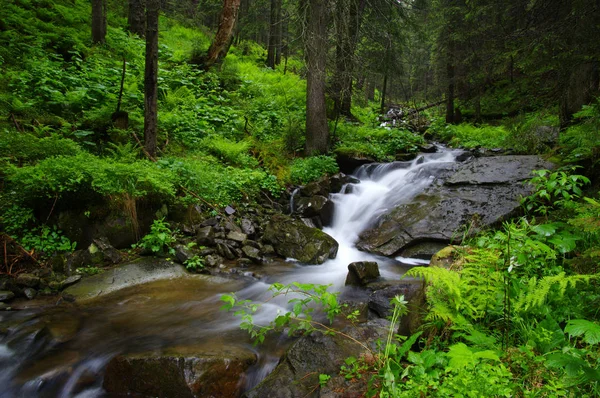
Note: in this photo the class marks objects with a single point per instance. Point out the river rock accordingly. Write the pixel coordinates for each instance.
(252, 253)
(206, 236)
(315, 206)
(482, 192)
(70, 281)
(362, 272)
(248, 227)
(183, 254)
(6, 295)
(237, 236)
(30, 293)
(138, 272)
(102, 252)
(297, 374)
(413, 291)
(28, 280)
(180, 372)
(213, 260)
(291, 238)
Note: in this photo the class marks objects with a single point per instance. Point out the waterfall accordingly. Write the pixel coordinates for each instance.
(360, 205)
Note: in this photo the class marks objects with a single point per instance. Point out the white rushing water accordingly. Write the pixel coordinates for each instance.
(381, 187)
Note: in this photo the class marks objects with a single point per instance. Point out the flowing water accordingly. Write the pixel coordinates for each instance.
(62, 351)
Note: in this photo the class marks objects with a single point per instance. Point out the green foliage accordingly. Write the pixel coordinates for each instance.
(27, 148)
(532, 133)
(305, 170)
(469, 136)
(89, 270)
(20, 223)
(159, 240)
(195, 263)
(378, 143)
(298, 320)
(581, 140)
(556, 189)
(88, 173)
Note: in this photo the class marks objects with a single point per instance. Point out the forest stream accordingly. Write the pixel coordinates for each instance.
(63, 350)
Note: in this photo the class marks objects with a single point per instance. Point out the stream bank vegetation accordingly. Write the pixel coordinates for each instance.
(517, 312)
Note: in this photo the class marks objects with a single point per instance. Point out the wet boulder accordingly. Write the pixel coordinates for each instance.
(297, 374)
(413, 291)
(180, 372)
(315, 206)
(291, 238)
(481, 193)
(362, 272)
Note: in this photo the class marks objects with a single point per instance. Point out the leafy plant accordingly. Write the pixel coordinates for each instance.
(312, 168)
(160, 238)
(554, 189)
(195, 263)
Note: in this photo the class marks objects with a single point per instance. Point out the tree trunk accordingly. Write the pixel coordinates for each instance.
(348, 20)
(98, 21)
(222, 41)
(136, 19)
(317, 131)
(450, 82)
(274, 49)
(579, 86)
(151, 77)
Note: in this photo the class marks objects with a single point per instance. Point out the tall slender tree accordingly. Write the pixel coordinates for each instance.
(275, 33)
(136, 20)
(315, 41)
(98, 21)
(151, 77)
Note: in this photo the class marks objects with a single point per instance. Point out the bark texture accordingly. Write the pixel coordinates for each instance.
(317, 131)
(98, 21)
(220, 45)
(151, 77)
(136, 19)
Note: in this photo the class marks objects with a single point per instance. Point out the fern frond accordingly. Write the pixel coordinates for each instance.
(537, 292)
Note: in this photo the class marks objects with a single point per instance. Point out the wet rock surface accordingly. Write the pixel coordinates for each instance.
(481, 193)
(297, 374)
(291, 238)
(180, 372)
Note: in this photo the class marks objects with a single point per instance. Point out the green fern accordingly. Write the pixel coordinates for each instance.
(589, 330)
(537, 292)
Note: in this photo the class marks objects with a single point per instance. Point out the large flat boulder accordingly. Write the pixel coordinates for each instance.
(479, 194)
(186, 371)
(293, 239)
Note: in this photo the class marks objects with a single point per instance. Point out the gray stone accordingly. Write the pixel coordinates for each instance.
(315, 206)
(30, 293)
(252, 253)
(291, 238)
(498, 170)
(413, 291)
(6, 295)
(102, 252)
(482, 193)
(71, 280)
(183, 254)
(213, 260)
(225, 251)
(362, 272)
(28, 280)
(237, 236)
(248, 227)
(206, 236)
(297, 374)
